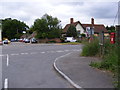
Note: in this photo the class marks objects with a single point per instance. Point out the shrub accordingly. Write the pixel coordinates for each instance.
(110, 60)
(91, 49)
(51, 42)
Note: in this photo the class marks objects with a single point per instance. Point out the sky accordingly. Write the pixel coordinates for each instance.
(103, 12)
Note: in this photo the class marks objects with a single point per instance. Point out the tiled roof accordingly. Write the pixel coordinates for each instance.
(97, 27)
(68, 25)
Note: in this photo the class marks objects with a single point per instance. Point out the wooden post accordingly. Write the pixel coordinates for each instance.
(118, 44)
(0, 30)
(1, 54)
(101, 43)
(118, 52)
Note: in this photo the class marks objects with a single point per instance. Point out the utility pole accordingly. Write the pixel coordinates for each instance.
(0, 30)
(118, 44)
(1, 54)
(118, 52)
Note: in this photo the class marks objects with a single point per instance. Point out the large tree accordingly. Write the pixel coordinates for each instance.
(13, 28)
(71, 32)
(47, 27)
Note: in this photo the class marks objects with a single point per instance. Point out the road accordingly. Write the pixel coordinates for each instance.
(31, 65)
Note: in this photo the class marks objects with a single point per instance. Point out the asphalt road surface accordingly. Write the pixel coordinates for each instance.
(31, 65)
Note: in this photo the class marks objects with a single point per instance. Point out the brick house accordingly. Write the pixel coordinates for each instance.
(81, 28)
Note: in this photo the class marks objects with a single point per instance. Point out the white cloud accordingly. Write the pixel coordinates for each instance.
(82, 10)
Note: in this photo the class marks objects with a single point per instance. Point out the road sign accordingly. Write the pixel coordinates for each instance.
(90, 30)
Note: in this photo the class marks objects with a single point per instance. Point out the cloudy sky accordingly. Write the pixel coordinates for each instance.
(103, 12)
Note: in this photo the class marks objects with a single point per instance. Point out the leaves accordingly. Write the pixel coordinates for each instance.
(12, 28)
(71, 32)
(47, 27)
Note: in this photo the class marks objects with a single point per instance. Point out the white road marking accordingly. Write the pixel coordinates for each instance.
(7, 60)
(76, 50)
(24, 53)
(60, 51)
(14, 54)
(2, 55)
(42, 52)
(6, 84)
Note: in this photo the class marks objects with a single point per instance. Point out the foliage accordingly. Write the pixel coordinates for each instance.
(91, 49)
(83, 35)
(110, 59)
(47, 27)
(12, 28)
(71, 32)
(110, 29)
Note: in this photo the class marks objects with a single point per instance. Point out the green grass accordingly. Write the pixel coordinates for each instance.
(91, 49)
(71, 43)
(109, 59)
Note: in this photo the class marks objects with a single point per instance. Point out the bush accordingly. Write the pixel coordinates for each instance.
(91, 49)
(110, 60)
(51, 42)
(110, 57)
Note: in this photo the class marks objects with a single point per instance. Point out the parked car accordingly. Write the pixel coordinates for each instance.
(1, 43)
(6, 41)
(14, 40)
(70, 39)
(33, 40)
(20, 40)
(27, 40)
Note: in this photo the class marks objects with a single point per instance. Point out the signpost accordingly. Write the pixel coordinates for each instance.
(0, 56)
(90, 32)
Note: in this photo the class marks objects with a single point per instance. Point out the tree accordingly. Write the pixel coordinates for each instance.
(47, 27)
(110, 28)
(12, 28)
(71, 32)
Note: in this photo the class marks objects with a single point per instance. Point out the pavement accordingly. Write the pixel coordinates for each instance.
(76, 70)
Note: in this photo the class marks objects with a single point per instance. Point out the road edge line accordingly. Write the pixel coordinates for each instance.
(6, 84)
(62, 74)
(7, 60)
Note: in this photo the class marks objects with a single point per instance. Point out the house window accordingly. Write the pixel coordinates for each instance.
(78, 32)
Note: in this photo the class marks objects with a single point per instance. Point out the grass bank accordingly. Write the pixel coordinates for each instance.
(109, 59)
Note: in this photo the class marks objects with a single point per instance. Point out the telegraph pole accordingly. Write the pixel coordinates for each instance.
(0, 30)
(118, 44)
(0, 56)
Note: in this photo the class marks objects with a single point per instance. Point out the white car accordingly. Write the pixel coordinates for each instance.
(70, 39)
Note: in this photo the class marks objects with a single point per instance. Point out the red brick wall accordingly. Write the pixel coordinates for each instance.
(57, 40)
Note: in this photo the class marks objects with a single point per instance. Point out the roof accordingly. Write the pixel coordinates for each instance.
(68, 25)
(97, 27)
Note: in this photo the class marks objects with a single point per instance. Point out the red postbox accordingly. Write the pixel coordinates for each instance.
(112, 38)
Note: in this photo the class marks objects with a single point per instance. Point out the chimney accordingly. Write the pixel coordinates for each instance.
(71, 20)
(92, 21)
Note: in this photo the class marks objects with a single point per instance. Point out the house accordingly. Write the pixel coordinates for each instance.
(81, 28)
(77, 24)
